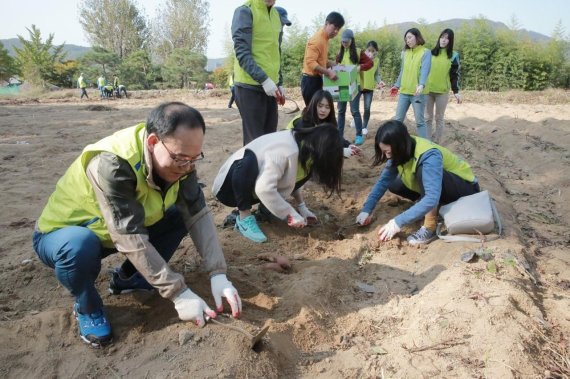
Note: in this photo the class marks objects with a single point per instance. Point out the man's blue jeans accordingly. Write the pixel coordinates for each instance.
(367, 96)
(75, 252)
(418, 103)
(354, 105)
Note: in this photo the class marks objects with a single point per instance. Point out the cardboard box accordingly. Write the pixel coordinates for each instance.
(345, 87)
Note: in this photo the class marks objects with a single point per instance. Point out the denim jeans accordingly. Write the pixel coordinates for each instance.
(367, 96)
(354, 109)
(418, 103)
(75, 252)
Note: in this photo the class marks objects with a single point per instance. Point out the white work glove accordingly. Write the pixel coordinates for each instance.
(419, 89)
(222, 287)
(269, 87)
(191, 307)
(347, 152)
(363, 218)
(352, 150)
(296, 221)
(388, 231)
(458, 98)
(282, 90)
(364, 131)
(306, 213)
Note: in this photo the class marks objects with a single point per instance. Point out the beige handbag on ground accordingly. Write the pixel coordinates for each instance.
(471, 219)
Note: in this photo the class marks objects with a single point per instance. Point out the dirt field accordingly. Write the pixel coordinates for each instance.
(351, 308)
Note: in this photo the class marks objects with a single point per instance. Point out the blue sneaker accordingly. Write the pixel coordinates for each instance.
(359, 140)
(119, 284)
(94, 328)
(249, 229)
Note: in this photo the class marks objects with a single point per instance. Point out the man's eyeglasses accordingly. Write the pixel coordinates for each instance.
(182, 162)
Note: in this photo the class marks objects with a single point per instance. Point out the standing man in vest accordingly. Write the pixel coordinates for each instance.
(316, 60)
(256, 27)
(134, 192)
(83, 86)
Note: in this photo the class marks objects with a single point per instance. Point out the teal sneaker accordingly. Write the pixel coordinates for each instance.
(422, 236)
(359, 140)
(249, 229)
(94, 328)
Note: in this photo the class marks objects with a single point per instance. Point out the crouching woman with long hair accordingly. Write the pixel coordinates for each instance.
(416, 169)
(273, 167)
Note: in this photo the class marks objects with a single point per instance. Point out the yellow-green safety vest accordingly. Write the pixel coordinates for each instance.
(264, 43)
(73, 203)
(347, 62)
(411, 73)
(368, 78)
(451, 163)
(438, 80)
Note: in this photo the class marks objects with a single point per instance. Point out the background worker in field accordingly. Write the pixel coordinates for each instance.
(82, 86)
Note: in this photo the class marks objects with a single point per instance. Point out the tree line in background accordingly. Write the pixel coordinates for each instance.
(169, 51)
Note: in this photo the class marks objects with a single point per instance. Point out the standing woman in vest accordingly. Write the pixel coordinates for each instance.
(350, 55)
(444, 74)
(369, 81)
(414, 71)
(416, 169)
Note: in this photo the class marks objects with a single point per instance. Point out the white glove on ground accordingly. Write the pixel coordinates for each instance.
(306, 212)
(269, 87)
(296, 221)
(191, 307)
(222, 287)
(363, 218)
(388, 231)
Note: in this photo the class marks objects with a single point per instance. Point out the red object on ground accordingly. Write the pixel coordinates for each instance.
(393, 91)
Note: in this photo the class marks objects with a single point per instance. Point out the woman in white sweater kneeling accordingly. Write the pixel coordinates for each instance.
(274, 166)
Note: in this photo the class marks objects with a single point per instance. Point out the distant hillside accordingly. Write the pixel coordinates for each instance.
(73, 51)
(457, 23)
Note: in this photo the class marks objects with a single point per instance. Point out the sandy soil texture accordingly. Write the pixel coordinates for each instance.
(351, 308)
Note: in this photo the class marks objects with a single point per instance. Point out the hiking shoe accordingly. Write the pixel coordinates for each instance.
(422, 236)
(94, 328)
(249, 229)
(119, 284)
(230, 220)
(262, 214)
(359, 140)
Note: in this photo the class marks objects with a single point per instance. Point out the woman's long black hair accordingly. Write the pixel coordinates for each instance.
(449, 47)
(321, 154)
(354, 58)
(395, 134)
(310, 115)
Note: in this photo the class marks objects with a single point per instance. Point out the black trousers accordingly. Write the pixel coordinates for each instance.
(453, 187)
(258, 113)
(238, 189)
(310, 85)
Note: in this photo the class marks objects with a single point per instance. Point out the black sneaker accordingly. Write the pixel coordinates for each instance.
(119, 284)
(230, 220)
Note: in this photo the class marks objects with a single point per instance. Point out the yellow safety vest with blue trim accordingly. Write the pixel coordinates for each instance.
(451, 163)
(264, 43)
(73, 203)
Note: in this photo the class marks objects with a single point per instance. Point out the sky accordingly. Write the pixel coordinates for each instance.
(61, 17)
